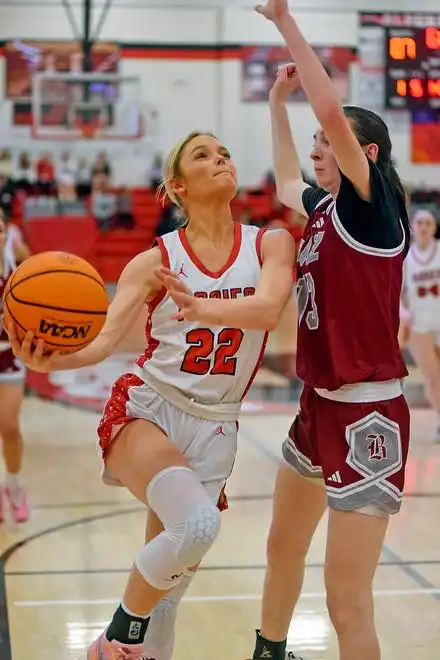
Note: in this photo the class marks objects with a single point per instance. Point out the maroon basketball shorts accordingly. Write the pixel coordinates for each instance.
(358, 450)
(11, 369)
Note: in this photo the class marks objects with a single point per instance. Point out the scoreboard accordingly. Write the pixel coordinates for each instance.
(412, 67)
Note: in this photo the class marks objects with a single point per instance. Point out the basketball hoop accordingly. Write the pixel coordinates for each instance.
(90, 127)
(115, 103)
(88, 131)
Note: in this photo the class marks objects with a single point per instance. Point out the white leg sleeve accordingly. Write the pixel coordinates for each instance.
(159, 640)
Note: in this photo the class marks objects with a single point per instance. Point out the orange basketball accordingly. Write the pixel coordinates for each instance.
(60, 297)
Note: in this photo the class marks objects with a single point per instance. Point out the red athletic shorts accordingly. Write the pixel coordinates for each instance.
(359, 450)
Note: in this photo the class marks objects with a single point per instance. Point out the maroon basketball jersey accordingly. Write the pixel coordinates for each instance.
(348, 305)
(9, 266)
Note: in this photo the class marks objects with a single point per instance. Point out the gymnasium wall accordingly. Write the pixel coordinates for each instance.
(201, 87)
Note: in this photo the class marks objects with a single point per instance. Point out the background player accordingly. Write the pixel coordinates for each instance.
(352, 431)
(18, 244)
(421, 304)
(184, 400)
(12, 376)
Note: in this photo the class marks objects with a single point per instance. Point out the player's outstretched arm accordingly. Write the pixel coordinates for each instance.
(137, 284)
(258, 312)
(322, 96)
(288, 175)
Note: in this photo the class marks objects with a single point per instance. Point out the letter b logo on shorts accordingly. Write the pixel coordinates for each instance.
(375, 446)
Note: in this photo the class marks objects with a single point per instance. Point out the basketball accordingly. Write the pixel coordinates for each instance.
(60, 297)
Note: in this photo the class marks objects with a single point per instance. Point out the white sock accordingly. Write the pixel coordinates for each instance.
(136, 616)
(13, 482)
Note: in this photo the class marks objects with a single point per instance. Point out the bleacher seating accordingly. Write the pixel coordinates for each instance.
(38, 207)
(115, 249)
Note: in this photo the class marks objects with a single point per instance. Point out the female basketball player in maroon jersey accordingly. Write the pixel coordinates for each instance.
(169, 430)
(352, 430)
(11, 397)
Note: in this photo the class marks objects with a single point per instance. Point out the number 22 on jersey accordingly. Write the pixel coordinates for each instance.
(205, 355)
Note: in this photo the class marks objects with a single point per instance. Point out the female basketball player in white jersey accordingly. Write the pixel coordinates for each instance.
(169, 430)
(421, 304)
(11, 396)
(16, 239)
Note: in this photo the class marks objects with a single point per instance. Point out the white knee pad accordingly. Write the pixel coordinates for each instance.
(191, 522)
(196, 535)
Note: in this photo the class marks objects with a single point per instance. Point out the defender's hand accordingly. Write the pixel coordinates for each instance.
(273, 10)
(287, 82)
(189, 305)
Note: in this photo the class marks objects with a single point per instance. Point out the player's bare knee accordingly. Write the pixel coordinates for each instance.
(284, 542)
(277, 545)
(349, 596)
(348, 609)
(10, 432)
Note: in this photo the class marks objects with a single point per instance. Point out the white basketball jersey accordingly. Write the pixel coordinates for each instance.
(210, 365)
(422, 285)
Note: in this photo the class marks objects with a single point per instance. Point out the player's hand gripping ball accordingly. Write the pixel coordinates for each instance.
(60, 298)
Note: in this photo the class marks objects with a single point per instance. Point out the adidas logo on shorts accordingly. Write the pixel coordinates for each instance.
(335, 477)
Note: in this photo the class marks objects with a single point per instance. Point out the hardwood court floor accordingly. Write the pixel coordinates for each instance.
(64, 581)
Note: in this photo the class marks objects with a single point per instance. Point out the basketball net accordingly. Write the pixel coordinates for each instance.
(88, 130)
(89, 127)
